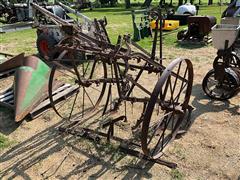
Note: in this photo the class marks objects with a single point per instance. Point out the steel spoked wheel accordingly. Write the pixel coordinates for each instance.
(171, 93)
(220, 90)
(86, 79)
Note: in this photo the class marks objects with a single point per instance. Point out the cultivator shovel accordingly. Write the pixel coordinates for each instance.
(28, 93)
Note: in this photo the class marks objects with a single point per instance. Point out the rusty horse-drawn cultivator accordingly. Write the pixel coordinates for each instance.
(116, 78)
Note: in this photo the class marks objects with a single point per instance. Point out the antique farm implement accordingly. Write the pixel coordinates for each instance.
(223, 81)
(119, 84)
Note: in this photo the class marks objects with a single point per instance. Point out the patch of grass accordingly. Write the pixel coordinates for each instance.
(18, 42)
(179, 151)
(119, 23)
(176, 174)
(4, 142)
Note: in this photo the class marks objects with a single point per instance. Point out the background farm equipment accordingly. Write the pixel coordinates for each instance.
(187, 8)
(17, 16)
(50, 35)
(233, 9)
(223, 81)
(24, 16)
(111, 84)
(28, 95)
(182, 13)
(141, 24)
(198, 30)
(15, 12)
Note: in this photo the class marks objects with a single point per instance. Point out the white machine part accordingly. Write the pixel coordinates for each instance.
(187, 9)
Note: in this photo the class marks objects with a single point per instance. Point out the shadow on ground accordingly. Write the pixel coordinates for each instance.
(189, 46)
(33, 153)
(209, 105)
(7, 123)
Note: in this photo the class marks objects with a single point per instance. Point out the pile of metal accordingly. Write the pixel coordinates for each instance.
(98, 89)
(113, 78)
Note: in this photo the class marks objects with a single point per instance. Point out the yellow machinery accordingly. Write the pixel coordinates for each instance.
(168, 25)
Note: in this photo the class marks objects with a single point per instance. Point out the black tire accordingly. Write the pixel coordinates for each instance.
(220, 91)
(45, 44)
(181, 34)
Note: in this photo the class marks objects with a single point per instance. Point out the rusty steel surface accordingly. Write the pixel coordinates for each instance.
(110, 77)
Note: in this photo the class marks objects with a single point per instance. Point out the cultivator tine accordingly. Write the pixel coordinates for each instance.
(109, 95)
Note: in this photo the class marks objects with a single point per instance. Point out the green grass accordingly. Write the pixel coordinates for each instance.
(18, 42)
(4, 142)
(119, 22)
(176, 174)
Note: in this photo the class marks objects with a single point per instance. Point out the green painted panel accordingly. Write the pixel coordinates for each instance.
(37, 82)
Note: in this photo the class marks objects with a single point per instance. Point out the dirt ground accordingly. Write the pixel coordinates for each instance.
(209, 150)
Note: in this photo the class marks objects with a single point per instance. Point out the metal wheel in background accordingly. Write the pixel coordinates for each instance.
(90, 89)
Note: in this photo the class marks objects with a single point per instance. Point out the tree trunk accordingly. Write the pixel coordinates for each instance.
(180, 2)
(210, 2)
(147, 3)
(127, 4)
(161, 3)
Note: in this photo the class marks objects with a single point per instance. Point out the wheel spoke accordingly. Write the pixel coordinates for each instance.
(74, 102)
(155, 130)
(89, 97)
(161, 140)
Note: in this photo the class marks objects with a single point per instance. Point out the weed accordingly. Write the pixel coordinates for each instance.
(176, 174)
(4, 142)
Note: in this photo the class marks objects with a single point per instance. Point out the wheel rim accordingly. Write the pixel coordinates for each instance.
(220, 90)
(160, 127)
